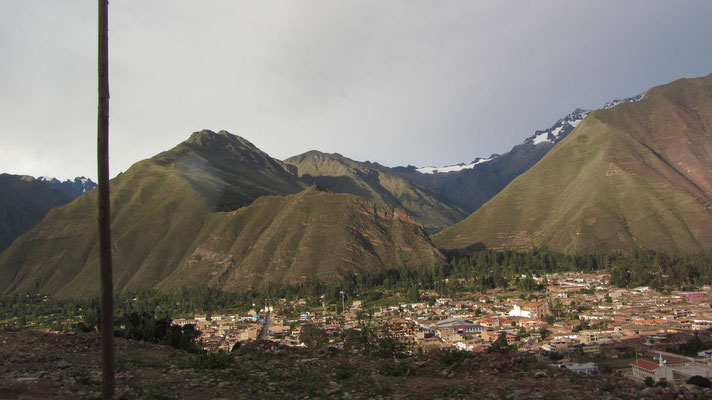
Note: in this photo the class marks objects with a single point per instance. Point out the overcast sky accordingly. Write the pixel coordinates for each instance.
(396, 82)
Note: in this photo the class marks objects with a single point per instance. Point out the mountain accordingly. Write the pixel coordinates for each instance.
(376, 183)
(314, 234)
(469, 186)
(24, 201)
(189, 216)
(72, 189)
(637, 175)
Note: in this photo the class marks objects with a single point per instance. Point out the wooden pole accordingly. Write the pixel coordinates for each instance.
(107, 287)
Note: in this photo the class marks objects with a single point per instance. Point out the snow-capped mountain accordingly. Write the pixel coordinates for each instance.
(457, 167)
(73, 188)
(470, 185)
(565, 125)
(553, 135)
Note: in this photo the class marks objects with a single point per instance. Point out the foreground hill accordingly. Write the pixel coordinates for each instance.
(45, 366)
(638, 175)
(376, 183)
(186, 217)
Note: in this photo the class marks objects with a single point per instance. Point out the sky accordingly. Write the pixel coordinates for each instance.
(396, 82)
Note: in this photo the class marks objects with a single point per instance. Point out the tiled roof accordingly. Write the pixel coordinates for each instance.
(645, 364)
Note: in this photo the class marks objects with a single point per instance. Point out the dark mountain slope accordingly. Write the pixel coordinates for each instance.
(24, 201)
(376, 183)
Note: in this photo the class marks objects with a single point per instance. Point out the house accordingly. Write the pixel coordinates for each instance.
(531, 310)
(556, 345)
(457, 325)
(643, 369)
(584, 369)
(589, 336)
(184, 322)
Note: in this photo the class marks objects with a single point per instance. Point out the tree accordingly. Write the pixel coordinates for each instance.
(500, 345)
(413, 296)
(700, 381)
(313, 337)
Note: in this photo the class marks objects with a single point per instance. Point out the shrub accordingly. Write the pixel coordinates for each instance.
(700, 381)
(452, 356)
(313, 337)
(395, 369)
(219, 360)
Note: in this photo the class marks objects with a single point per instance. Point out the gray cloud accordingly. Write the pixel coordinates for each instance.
(398, 82)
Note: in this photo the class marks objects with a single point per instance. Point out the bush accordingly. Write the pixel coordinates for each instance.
(452, 356)
(376, 341)
(313, 337)
(395, 369)
(649, 381)
(700, 381)
(219, 360)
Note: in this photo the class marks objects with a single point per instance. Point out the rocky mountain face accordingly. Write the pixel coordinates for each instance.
(72, 189)
(469, 186)
(376, 183)
(24, 201)
(189, 217)
(636, 175)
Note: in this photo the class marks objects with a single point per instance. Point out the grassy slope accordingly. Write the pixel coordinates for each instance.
(637, 175)
(376, 183)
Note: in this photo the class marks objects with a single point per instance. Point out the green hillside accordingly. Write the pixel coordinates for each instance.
(638, 175)
(376, 183)
(168, 210)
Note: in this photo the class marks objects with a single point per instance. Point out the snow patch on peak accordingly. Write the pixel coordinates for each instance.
(615, 102)
(453, 168)
(541, 138)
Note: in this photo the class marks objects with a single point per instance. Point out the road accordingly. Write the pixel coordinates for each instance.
(265, 328)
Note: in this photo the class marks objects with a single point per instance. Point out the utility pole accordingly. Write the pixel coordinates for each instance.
(343, 302)
(107, 286)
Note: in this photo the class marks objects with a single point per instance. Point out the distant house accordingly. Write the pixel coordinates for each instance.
(584, 369)
(644, 368)
(532, 310)
(457, 325)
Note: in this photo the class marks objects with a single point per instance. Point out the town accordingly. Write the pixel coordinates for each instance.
(577, 320)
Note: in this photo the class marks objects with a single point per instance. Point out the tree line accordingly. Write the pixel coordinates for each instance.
(481, 271)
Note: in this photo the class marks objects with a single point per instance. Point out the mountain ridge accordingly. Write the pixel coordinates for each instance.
(375, 183)
(203, 194)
